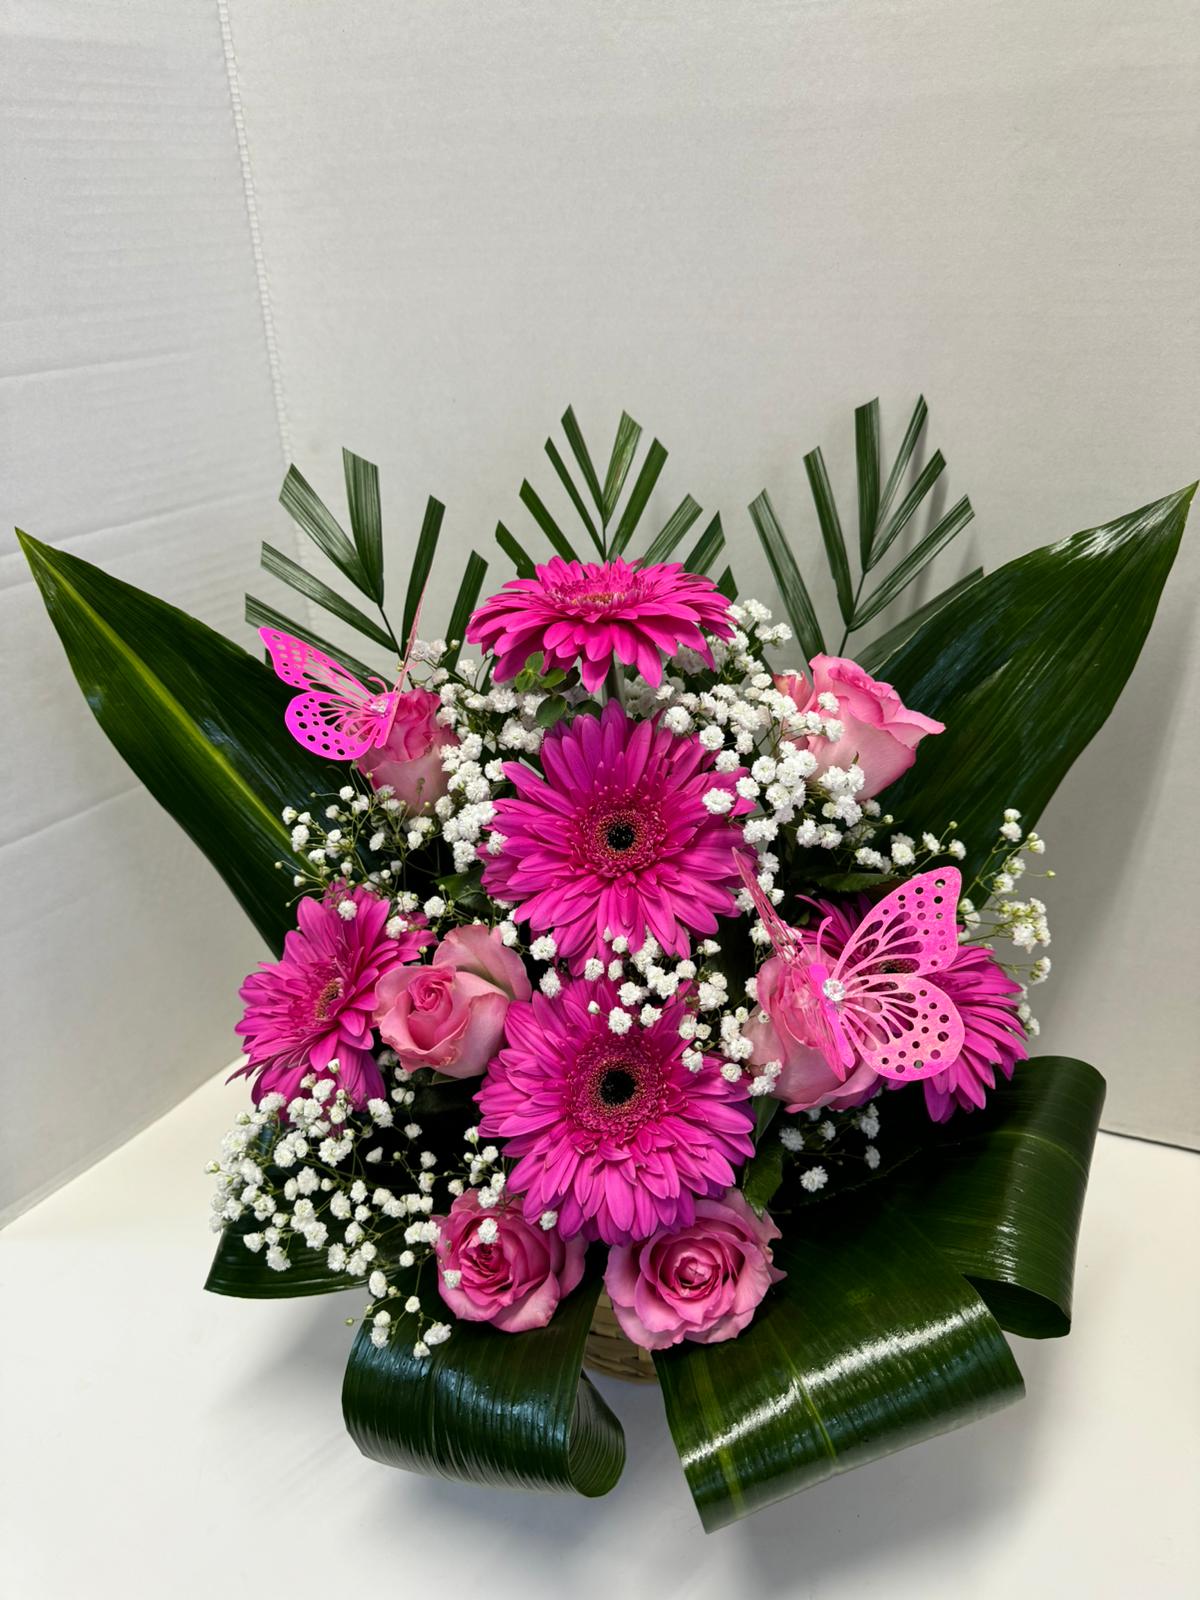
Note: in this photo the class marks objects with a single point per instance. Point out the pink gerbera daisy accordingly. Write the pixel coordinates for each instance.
(617, 837)
(316, 1004)
(614, 1132)
(590, 612)
(986, 999)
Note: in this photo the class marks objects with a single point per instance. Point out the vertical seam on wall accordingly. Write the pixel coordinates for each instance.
(260, 265)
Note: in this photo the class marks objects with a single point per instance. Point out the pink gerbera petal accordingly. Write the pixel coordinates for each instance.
(587, 614)
(617, 837)
(611, 1131)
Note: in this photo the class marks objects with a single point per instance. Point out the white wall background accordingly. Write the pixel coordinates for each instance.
(428, 228)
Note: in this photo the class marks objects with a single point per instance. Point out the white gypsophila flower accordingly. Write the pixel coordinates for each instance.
(550, 984)
(815, 1178)
(543, 948)
(619, 1020)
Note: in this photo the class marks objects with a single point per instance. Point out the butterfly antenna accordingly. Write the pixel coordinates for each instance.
(784, 940)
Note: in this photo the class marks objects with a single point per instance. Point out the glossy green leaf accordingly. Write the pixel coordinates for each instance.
(313, 517)
(464, 604)
(708, 547)
(427, 543)
(871, 1343)
(569, 484)
(311, 587)
(872, 656)
(680, 520)
(796, 601)
(908, 445)
(914, 563)
(583, 457)
(261, 615)
(488, 1407)
(623, 451)
(515, 551)
(198, 720)
(727, 584)
(866, 453)
(366, 519)
(541, 514)
(643, 487)
(909, 506)
(1045, 643)
(831, 526)
(1001, 1191)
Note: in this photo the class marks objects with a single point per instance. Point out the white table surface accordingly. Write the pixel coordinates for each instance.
(161, 1442)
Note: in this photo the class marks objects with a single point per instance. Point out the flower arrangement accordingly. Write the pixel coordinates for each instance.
(652, 992)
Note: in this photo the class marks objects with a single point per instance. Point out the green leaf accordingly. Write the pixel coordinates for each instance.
(299, 578)
(866, 450)
(871, 1343)
(643, 487)
(677, 525)
(532, 502)
(553, 709)
(727, 584)
(872, 656)
(579, 450)
(261, 615)
(431, 527)
(366, 519)
(198, 720)
(708, 547)
(515, 552)
(904, 455)
(568, 483)
(623, 451)
(1045, 643)
(1000, 1192)
(464, 604)
(311, 515)
(787, 576)
(914, 563)
(488, 1407)
(926, 478)
(831, 527)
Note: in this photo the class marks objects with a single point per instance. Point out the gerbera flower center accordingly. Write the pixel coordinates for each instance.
(615, 1088)
(591, 599)
(622, 836)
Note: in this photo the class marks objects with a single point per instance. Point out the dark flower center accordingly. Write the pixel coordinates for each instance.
(617, 1086)
(621, 833)
(327, 999)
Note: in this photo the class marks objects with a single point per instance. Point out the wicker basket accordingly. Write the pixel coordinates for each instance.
(610, 1352)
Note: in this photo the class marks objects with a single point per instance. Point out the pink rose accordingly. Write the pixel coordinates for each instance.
(450, 1015)
(880, 733)
(513, 1280)
(702, 1282)
(411, 760)
(789, 1035)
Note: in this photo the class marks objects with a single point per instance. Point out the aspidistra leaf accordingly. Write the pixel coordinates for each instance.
(488, 1407)
(872, 1342)
(872, 656)
(1045, 642)
(198, 720)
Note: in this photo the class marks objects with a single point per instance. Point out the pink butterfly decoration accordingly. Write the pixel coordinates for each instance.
(877, 1004)
(337, 716)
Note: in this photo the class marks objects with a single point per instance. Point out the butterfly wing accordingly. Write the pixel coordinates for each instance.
(900, 1024)
(336, 716)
